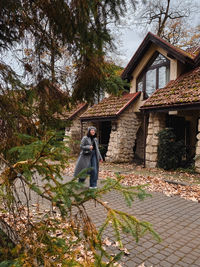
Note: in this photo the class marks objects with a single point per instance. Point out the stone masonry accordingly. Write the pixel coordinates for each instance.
(73, 132)
(197, 158)
(122, 139)
(156, 124)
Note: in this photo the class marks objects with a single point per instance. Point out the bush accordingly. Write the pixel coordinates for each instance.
(103, 151)
(170, 151)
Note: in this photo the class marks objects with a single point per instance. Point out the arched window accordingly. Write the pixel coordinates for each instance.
(154, 76)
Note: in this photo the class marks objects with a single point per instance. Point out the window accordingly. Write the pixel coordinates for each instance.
(154, 76)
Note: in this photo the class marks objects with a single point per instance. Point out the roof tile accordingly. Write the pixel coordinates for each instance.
(70, 113)
(183, 90)
(110, 107)
(187, 53)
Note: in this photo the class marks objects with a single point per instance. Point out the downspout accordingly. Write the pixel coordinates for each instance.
(145, 134)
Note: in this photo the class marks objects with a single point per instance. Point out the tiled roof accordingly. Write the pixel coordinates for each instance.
(110, 107)
(193, 50)
(187, 53)
(69, 114)
(197, 60)
(183, 90)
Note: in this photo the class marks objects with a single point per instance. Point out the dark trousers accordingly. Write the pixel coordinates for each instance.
(94, 170)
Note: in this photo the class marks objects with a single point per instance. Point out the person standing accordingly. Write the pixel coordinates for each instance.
(89, 157)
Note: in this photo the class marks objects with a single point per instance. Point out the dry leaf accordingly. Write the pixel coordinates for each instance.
(125, 250)
(107, 242)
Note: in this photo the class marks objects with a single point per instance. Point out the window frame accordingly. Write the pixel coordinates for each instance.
(148, 67)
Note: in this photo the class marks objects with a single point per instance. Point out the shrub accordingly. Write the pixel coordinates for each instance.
(170, 151)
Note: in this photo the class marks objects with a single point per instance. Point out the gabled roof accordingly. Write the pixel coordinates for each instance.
(73, 112)
(70, 114)
(110, 107)
(174, 52)
(193, 50)
(183, 91)
(197, 60)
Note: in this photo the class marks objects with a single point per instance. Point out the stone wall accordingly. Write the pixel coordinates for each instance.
(122, 139)
(156, 124)
(73, 133)
(197, 158)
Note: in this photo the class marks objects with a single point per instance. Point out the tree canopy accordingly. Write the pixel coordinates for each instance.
(34, 154)
(174, 21)
(48, 31)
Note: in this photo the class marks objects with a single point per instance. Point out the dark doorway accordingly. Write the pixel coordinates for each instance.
(104, 136)
(182, 131)
(138, 148)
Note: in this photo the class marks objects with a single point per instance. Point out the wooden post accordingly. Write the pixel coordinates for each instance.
(81, 129)
(144, 141)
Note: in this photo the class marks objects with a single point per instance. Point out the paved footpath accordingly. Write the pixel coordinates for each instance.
(176, 220)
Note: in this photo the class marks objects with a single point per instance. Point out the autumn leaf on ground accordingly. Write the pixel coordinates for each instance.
(125, 250)
(107, 242)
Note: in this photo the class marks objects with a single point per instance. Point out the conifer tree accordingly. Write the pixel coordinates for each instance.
(34, 155)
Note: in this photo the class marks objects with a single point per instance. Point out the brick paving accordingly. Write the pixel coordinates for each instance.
(176, 220)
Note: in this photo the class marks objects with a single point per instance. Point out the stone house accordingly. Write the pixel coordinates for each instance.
(169, 81)
(164, 92)
(178, 106)
(117, 120)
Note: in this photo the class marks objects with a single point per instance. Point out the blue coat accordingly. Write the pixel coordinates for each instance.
(83, 161)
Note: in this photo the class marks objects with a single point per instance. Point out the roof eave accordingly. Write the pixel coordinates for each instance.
(125, 74)
(77, 111)
(98, 118)
(148, 40)
(178, 106)
(197, 60)
(136, 95)
(173, 52)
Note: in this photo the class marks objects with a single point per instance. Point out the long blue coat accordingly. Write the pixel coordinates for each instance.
(83, 161)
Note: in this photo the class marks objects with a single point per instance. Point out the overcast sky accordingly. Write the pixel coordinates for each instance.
(130, 39)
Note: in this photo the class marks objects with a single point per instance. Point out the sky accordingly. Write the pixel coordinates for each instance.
(129, 38)
(130, 43)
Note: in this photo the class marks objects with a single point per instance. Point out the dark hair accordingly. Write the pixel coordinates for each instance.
(88, 133)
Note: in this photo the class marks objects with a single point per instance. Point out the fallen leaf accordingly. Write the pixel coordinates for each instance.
(107, 242)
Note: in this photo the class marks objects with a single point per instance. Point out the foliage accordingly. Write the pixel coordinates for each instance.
(33, 152)
(170, 151)
(6, 246)
(180, 33)
(62, 41)
(66, 234)
(29, 112)
(109, 80)
(113, 82)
